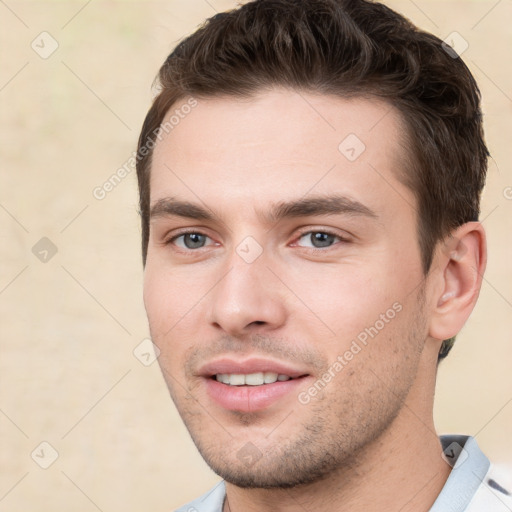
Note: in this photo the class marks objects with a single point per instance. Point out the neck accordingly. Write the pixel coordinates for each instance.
(401, 470)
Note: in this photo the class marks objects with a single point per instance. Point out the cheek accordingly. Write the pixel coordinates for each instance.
(169, 297)
(162, 306)
(174, 303)
(156, 301)
(348, 300)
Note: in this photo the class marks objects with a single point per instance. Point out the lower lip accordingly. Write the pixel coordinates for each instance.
(250, 398)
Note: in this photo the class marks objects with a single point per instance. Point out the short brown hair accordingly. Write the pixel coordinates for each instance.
(346, 48)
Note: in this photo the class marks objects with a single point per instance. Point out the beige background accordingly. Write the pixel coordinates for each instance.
(69, 325)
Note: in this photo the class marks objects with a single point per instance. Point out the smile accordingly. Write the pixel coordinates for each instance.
(251, 379)
(252, 384)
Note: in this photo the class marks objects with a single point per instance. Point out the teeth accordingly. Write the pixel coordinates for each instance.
(236, 380)
(251, 379)
(254, 379)
(222, 377)
(270, 377)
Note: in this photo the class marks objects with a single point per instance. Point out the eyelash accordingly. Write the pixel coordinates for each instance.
(340, 238)
(182, 233)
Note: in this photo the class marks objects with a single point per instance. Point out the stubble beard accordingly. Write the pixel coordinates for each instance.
(324, 443)
(321, 446)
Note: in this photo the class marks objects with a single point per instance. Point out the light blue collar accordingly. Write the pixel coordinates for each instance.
(470, 466)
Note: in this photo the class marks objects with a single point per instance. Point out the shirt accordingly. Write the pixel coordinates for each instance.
(472, 486)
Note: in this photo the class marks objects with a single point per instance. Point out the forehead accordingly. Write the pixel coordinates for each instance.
(280, 145)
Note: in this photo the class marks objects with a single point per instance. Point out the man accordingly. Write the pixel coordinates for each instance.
(310, 176)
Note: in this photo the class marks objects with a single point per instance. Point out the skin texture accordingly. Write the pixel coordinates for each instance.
(366, 440)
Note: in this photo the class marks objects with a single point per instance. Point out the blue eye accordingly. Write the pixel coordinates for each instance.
(190, 240)
(319, 239)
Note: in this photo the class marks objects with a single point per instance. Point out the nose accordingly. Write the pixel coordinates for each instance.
(247, 299)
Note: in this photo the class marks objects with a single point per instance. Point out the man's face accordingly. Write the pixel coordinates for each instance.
(282, 247)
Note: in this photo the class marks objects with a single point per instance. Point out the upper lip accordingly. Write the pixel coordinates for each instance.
(247, 366)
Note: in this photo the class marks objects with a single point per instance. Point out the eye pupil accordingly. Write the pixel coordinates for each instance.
(193, 240)
(320, 239)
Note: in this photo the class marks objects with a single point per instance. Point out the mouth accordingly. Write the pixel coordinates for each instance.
(251, 379)
(251, 385)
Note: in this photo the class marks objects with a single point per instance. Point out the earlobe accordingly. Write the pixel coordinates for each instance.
(462, 266)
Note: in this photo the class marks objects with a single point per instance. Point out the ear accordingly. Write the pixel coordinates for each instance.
(462, 260)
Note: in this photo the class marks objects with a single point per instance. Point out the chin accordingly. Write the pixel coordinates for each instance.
(283, 470)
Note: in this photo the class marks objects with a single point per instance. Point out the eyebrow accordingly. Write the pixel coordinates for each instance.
(169, 206)
(317, 205)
